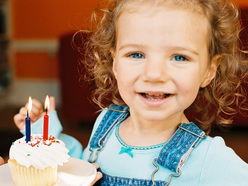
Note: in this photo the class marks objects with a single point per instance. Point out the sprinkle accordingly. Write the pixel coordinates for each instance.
(28, 154)
(35, 143)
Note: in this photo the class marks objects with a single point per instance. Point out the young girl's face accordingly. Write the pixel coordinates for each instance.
(161, 60)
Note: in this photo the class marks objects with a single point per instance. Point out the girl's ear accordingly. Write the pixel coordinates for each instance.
(112, 51)
(212, 70)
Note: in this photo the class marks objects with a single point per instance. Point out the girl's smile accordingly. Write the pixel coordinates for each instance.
(155, 95)
(154, 99)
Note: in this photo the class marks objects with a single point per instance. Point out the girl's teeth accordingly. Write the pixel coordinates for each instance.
(155, 97)
(158, 95)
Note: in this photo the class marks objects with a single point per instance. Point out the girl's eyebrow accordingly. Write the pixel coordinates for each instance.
(130, 45)
(185, 49)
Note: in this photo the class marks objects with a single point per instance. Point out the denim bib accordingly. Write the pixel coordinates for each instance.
(172, 156)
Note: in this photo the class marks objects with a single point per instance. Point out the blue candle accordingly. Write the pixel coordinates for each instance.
(27, 121)
(28, 128)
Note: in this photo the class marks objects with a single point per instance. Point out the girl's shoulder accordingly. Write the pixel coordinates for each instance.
(216, 141)
(221, 161)
(217, 148)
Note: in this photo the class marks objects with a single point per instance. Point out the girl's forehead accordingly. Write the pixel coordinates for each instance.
(130, 6)
(155, 13)
(151, 7)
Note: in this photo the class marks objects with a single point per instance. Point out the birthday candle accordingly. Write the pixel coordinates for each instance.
(27, 121)
(46, 119)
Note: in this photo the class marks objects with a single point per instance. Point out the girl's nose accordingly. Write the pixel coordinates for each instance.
(155, 71)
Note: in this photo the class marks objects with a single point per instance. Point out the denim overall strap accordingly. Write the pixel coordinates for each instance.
(113, 116)
(175, 153)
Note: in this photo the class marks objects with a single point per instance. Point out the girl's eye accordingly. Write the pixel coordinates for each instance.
(136, 55)
(179, 58)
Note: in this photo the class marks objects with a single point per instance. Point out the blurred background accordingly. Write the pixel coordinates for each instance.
(36, 59)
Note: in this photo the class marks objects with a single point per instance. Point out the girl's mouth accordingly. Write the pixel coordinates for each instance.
(155, 96)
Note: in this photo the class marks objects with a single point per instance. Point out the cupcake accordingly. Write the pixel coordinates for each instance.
(35, 163)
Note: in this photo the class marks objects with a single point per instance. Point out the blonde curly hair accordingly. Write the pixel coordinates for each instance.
(224, 97)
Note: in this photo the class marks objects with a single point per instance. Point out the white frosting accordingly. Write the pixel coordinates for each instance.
(39, 153)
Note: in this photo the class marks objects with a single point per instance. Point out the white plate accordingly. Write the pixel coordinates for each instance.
(75, 172)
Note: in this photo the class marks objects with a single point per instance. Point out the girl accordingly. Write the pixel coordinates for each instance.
(155, 60)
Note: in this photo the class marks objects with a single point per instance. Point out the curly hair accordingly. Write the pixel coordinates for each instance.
(224, 96)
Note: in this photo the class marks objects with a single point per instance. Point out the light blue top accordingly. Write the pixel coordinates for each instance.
(211, 163)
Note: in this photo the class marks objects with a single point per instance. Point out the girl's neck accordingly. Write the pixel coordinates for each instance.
(144, 133)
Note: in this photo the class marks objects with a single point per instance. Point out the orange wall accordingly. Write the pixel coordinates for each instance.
(49, 18)
(44, 20)
(35, 65)
(242, 3)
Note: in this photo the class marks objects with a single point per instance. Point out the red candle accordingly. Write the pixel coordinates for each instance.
(46, 119)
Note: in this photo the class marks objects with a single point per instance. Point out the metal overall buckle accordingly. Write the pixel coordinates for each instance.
(96, 154)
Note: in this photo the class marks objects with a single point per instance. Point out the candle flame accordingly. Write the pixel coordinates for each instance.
(29, 104)
(47, 103)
